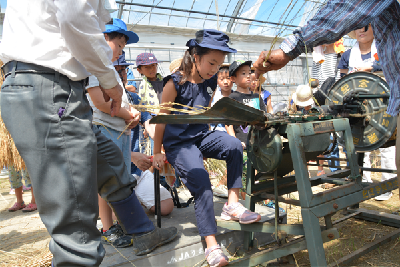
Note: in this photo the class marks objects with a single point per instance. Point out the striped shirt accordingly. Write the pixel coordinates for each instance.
(339, 17)
(326, 69)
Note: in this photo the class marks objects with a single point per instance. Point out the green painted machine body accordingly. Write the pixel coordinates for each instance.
(278, 144)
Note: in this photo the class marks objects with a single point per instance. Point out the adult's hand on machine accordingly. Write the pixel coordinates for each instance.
(141, 161)
(276, 60)
(115, 94)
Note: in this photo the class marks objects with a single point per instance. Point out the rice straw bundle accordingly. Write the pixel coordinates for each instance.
(169, 106)
(9, 155)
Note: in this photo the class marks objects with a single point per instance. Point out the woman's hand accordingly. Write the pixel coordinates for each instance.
(159, 161)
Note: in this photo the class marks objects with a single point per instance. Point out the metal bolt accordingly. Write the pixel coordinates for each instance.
(331, 236)
(335, 206)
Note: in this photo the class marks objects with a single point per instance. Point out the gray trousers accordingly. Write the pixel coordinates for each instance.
(50, 120)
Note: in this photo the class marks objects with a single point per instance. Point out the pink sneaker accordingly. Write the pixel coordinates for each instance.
(216, 257)
(237, 212)
(30, 207)
(17, 206)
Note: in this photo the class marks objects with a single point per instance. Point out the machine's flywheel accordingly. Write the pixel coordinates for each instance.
(372, 127)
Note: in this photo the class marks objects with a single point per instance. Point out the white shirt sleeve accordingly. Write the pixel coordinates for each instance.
(81, 28)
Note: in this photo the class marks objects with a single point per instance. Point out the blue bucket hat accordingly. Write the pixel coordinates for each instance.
(117, 25)
(121, 61)
(212, 39)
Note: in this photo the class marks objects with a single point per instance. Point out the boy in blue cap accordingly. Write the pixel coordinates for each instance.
(114, 128)
(68, 159)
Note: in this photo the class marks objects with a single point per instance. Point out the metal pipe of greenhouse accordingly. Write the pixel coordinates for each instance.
(199, 18)
(235, 13)
(201, 12)
(121, 8)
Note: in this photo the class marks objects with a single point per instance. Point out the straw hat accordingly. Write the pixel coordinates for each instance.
(303, 96)
(175, 64)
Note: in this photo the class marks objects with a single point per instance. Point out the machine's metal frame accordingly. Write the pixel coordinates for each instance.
(313, 206)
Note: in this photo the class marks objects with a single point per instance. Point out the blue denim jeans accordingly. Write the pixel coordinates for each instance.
(123, 143)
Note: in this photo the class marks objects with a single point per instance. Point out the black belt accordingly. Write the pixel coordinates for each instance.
(22, 67)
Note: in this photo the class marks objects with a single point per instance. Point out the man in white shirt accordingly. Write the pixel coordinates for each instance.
(49, 48)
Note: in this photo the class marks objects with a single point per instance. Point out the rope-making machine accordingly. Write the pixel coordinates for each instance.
(355, 111)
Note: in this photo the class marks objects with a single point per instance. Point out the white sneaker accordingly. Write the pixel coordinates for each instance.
(220, 191)
(385, 196)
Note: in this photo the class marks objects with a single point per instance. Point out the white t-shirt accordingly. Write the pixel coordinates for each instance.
(101, 118)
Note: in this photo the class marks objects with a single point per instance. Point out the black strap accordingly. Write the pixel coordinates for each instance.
(175, 197)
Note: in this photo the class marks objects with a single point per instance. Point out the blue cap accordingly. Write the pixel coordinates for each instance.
(121, 61)
(212, 39)
(120, 26)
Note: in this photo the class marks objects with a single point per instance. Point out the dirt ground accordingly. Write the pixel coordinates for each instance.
(356, 233)
(24, 239)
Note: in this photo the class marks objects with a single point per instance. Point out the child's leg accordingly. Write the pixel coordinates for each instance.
(233, 195)
(145, 193)
(18, 194)
(221, 145)
(167, 205)
(27, 179)
(105, 214)
(15, 179)
(33, 201)
(188, 163)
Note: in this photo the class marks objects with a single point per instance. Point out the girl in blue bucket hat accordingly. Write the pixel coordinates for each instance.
(186, 144)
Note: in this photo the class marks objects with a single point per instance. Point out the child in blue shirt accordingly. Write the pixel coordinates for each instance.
(185, 145)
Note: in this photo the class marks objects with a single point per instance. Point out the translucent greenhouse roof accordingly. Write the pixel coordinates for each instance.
(254, 17)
